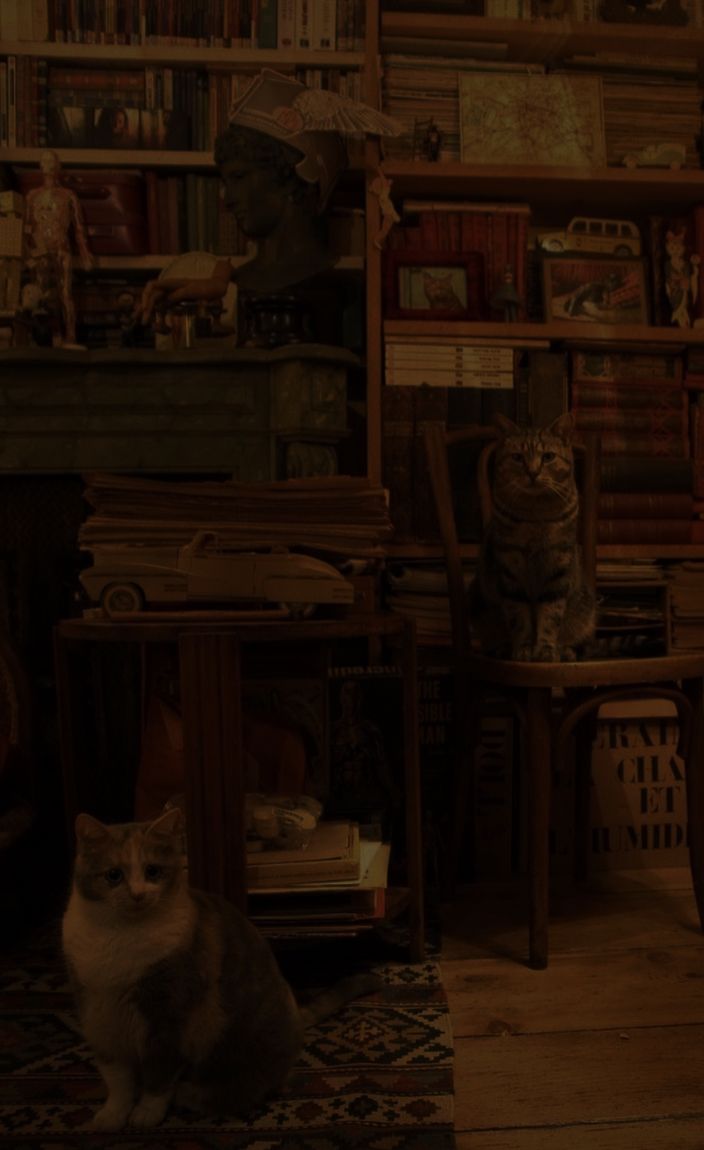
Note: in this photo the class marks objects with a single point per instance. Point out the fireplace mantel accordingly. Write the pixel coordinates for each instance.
(253, 413)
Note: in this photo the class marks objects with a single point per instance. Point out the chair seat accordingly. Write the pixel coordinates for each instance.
(585, 673)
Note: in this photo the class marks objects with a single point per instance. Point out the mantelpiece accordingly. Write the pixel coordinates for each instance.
(256, 414)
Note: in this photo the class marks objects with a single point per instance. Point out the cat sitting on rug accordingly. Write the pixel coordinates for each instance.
(174, 985)
(529, 600)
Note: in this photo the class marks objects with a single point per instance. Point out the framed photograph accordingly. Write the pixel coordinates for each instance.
(606, 290)
(434, 285)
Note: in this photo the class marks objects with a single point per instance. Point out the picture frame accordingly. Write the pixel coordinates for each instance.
(434, 285)
(595, 290)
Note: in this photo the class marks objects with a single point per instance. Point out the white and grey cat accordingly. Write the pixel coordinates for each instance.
(173, 985)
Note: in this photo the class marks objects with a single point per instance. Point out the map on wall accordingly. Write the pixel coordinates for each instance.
(531, 119)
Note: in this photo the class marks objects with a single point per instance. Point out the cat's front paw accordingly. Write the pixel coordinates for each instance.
(149, 1111)
(110, 1118)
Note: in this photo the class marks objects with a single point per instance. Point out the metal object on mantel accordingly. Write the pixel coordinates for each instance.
(252, 413)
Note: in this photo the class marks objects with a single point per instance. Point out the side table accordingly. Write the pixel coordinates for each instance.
(210, 669)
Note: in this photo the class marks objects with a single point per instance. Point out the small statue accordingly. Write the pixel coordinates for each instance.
(432, 142)
(506, 298)
(681, 277)
(381, 188)
(53, 217)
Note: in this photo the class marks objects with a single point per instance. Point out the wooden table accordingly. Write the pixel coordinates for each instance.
(210, 668)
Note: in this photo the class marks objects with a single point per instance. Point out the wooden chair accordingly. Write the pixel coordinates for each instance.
(551, 699)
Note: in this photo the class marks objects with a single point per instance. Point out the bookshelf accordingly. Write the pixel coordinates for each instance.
(551, 191)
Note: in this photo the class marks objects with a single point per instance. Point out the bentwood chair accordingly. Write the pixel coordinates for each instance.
(553, 700)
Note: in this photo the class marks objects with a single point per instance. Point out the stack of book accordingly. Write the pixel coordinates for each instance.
(687, 605)
(419, 591)
(637, 405)
(341, 514)
(336, 885)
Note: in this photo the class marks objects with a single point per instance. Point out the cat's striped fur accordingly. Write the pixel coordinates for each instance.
(173, 985)
(528, 600)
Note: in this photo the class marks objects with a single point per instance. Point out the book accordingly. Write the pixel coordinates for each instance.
(622, 367)
(659, 443)
(646, 472)
(634, 421)
(286, 24)
(626, 396)
(332, 854)
(663, 530)
(646, 504)
(541, 387)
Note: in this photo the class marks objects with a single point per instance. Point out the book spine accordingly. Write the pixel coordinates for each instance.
(624, 367)
(645, 504)
(303, 24)
(654, 420)
(324, 25)
(267, 24)
(616, 395)
(430, 408)
(286, 24)
(644, 530)
(398, 429)
(665, 445)
(12, 101)
(646, 473)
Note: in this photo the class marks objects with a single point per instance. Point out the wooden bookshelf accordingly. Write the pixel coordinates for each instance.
(236, 59)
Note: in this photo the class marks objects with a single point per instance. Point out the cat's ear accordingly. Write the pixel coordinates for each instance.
(170, 823)
(505, 424)
(563, 427)
(89, 829)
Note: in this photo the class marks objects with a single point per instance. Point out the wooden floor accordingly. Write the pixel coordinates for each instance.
(604, 1050)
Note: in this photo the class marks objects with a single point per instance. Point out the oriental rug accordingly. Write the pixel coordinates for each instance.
(377, 1076)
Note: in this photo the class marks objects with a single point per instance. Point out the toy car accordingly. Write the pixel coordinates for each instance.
(660, 155)
(129, 578)
(587, 234)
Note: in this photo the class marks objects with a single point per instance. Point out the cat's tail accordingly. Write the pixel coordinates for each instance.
(346, 990)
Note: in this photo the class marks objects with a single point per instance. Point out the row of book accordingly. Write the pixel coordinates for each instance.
(332, 25)
(632, 105)
(647, 411)
(138, 107)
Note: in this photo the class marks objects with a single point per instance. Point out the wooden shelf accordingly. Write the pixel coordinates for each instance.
(239, 59)
(537, 40)
(618, 551)
(555, 332)
(157, 261)
(566, 189)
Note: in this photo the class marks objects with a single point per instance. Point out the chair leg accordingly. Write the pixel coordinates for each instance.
(694, 768)
(584, 735)
(462, 815)
(538, 708)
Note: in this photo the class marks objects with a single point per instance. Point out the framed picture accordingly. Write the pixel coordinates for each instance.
(434, 285)
(606, 290)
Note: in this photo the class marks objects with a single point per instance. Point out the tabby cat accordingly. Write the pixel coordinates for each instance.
(528, 600)
(173, 985)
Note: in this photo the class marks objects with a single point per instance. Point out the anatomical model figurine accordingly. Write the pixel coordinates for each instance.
(53, 217)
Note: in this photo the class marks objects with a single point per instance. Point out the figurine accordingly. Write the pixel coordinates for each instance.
(506, 298)
(681, 277)
(381, 188)
(53, 216)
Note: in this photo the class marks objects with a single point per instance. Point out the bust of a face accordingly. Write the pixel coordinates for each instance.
(255, 196)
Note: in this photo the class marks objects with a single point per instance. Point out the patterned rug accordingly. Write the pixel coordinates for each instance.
(378, 1076)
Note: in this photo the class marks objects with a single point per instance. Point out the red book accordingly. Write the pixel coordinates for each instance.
(616, 395)
(661, 444)
(645, 530)
(645, 505)
(659, 421)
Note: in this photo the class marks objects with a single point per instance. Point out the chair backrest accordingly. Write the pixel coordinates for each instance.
(439, 444)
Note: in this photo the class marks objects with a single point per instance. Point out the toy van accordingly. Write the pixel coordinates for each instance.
(603, 237)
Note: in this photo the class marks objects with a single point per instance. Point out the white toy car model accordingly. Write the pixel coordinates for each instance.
(127, 579)
(660, 155)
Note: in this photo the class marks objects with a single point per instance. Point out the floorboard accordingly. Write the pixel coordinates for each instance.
(604, 1049)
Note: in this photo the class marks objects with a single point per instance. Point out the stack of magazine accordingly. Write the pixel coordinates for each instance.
(337, 884)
